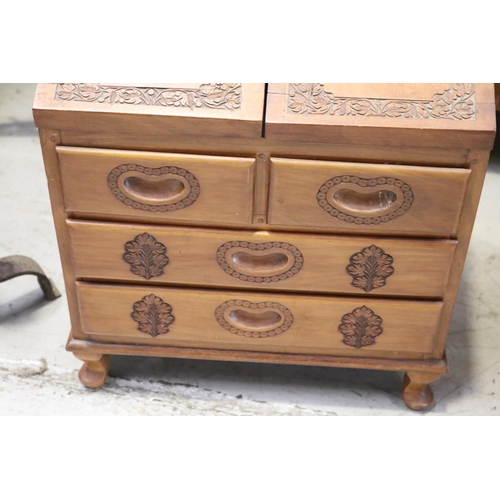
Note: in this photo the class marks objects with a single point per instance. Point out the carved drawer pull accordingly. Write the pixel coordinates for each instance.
(163, 189)
(360, 327)
(258, 320)
(365, 201)
(260, 262)
(146, 256)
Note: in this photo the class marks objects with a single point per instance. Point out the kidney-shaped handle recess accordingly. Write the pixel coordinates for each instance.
(365, 201)
(163, 189)
(268, 262)
(159, 190)
(258, 320)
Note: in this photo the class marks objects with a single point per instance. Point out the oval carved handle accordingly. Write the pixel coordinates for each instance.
(257, 320)
(260, 262)
(365, 201)
(163, 189)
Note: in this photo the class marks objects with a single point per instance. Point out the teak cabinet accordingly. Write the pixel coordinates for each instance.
(316, 224)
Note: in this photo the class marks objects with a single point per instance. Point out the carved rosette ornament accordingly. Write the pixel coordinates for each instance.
(152, 315)
(458, 102)
(360, 327)
(146, 256)
(370, 268)
(208, 95)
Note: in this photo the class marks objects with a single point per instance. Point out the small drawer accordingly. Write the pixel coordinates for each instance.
(157, 186)
(260, 260)
(384, 199)
(258, 322)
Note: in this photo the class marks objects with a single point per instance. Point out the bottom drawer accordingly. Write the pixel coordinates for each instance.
(265, 322)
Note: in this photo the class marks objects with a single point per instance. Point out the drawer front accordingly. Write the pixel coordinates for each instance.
(363, 197)
(157, 186)
(260, 260)
(258, 322)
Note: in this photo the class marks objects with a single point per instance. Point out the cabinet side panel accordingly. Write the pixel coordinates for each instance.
(49, 139)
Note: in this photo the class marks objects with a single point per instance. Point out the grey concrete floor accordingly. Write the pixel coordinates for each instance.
(38, 377)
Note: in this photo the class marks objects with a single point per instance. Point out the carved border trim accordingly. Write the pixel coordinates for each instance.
(288, 318)
(378, 181)
(297, 264)
(208, 95)
(185, 202)
(458, 102)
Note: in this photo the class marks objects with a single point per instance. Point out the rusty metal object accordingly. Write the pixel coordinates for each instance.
(18, 265)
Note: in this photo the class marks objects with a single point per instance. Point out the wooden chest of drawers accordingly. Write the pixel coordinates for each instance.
(317, 224)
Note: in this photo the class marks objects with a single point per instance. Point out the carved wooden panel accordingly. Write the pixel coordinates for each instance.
(208, 95)
(152, 315)
(360, 327)
(457, 102)
(268, 262)
(361, 201)
(370, 268)
(163, 189)
(146, 256)
(257, 320)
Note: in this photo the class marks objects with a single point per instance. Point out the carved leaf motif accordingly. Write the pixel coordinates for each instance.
(370, 268)
(146, 256)
(66, 91)
(360, 327)
(153, 315)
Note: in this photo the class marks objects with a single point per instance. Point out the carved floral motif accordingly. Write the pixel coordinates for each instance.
(153, 315)
(209, 95)
(370, 268)
(360, 327)
(146, 256)
(458, 102)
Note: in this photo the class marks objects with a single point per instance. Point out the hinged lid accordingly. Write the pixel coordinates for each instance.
(207, 109)
(440, 115)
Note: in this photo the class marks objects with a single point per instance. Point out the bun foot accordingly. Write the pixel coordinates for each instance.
(95, 369)
(417, 393)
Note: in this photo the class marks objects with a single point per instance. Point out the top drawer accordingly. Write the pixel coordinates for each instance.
(156, 186)
(335, 196)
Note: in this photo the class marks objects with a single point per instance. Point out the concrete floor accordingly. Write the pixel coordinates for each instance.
(38, 377)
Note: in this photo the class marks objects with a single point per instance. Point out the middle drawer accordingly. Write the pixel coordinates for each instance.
(260, 260)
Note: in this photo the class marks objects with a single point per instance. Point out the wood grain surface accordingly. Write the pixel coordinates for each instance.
(238, 114)
(420, 268)
(435, 208)
(426, 115)
(225, 185)
(408, 326)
